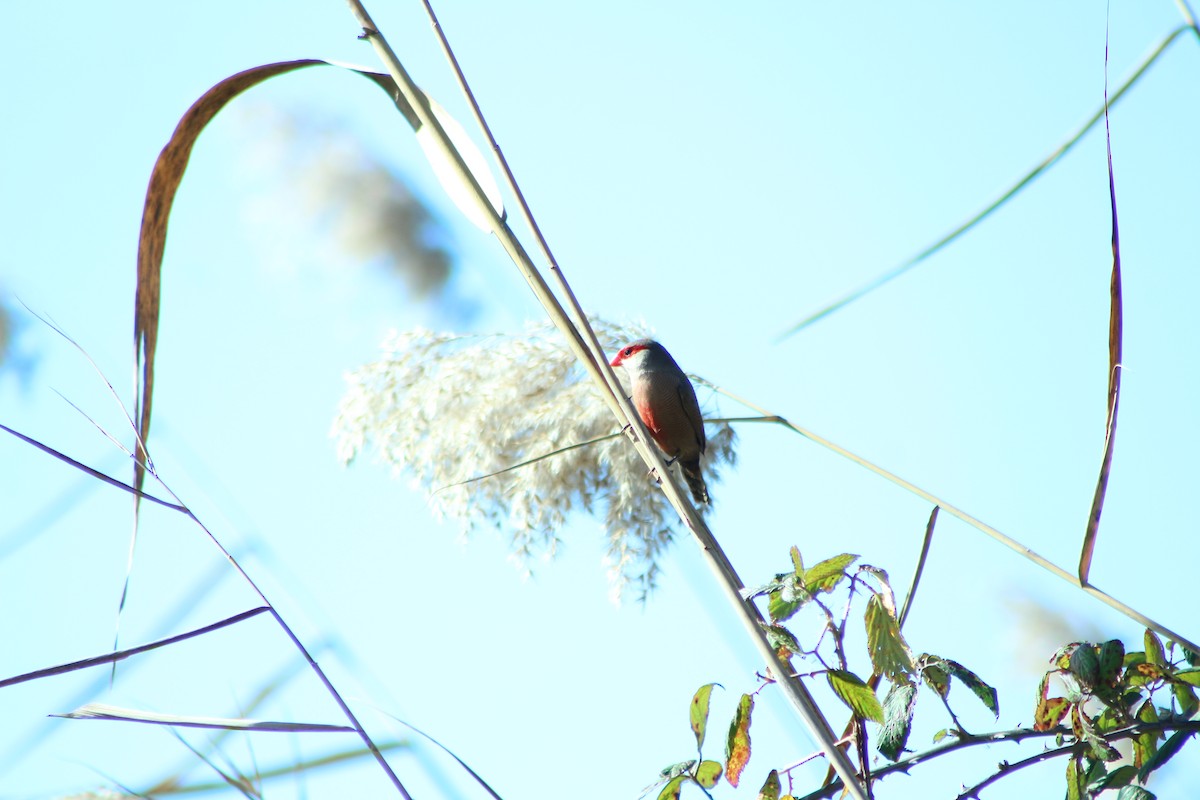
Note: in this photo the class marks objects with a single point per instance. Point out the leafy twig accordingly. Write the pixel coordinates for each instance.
(1015, 735)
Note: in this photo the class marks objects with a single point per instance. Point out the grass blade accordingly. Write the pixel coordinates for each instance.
(1029, 177)
(109, 658)
(1115, 322)
(104, 711)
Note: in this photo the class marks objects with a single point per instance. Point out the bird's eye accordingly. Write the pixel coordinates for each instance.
(628, 351)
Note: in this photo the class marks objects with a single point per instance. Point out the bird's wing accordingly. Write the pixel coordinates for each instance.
(691, 410)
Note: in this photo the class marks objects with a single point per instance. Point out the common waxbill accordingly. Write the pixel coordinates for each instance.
(666, 402)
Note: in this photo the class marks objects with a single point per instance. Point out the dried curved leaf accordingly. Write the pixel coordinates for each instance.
(173, 161)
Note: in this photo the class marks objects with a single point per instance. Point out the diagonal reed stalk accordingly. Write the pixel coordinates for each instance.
(1007, 541)
(587, 350)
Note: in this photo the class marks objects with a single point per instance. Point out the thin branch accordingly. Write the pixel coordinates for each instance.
(1007, 541)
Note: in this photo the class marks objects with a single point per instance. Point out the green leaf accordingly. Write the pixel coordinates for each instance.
(890, 655)
(1146, 745)
(855, 693)
(786, 598)
(708, 773)
(672, 789)
(1191, 676)
(782, 641)
(1121, 776)
(1185, 695)
(698, 713)
(1190, 656)
(1112, 656)
(1062, 656)
(826, 575)
(986, 694)
(737, 745)
(898, 707)
(934, 673)
(1076, 788)
(1096, 771)
(1164, 754)
(942, 734)
(1134, 793)
(797, 561)
(771, 787)
(1154, 648)
(1085, 665)
(1049, 713)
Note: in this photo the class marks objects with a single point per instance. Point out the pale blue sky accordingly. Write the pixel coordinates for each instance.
(719, 172)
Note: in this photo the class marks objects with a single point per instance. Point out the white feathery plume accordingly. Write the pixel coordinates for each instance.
(447, 408)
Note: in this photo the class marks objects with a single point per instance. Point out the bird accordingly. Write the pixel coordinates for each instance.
(666, 402)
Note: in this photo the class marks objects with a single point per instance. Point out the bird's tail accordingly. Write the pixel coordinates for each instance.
(695, 481)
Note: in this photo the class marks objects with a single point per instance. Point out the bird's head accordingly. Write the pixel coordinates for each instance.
(633, 353)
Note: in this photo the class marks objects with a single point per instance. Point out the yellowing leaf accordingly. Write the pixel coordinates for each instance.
(1050, 712)
(699, 712)
(708, 773)
(826, 575)
(1154, 648)
(672, 789)
(737, 746)
(771, 787)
